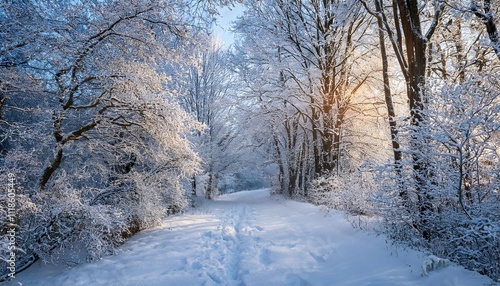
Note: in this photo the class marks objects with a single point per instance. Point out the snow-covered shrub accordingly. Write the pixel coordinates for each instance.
(102, 229)
(96, 200)
(474, 243)
(469, 238)
(347, 192)
(444, 195)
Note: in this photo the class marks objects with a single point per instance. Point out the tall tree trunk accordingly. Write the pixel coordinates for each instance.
(281, 167)
(209, 192)
(316, 150)
(193, 186)
(388, 98)
(328, 131)
(337, 140)
(412, 60)
(416, 58)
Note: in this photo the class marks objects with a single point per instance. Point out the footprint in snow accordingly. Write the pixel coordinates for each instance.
(264, 257)
(196, 265)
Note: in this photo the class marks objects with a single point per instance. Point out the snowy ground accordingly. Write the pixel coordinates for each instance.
(250, 238)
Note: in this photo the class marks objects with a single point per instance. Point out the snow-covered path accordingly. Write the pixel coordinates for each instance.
(250, 238)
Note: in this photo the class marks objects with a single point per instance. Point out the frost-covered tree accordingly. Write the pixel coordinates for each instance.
(212, 100)
(462, 131)
(442, 168)
(91, 122)
(300, 58)
(410, 30)
(21, 29)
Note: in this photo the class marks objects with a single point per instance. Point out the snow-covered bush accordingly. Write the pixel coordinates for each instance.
(474, 243)
(347, 192)
(454, 210)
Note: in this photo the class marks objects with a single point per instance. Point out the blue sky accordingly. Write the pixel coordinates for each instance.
(223, 26)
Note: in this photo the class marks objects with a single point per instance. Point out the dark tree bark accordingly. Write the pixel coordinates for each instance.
(387, 91)
(416, 57)
(410, 46)
(49, 170)
(486, 16)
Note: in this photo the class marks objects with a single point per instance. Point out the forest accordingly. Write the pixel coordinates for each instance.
(117, 113)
